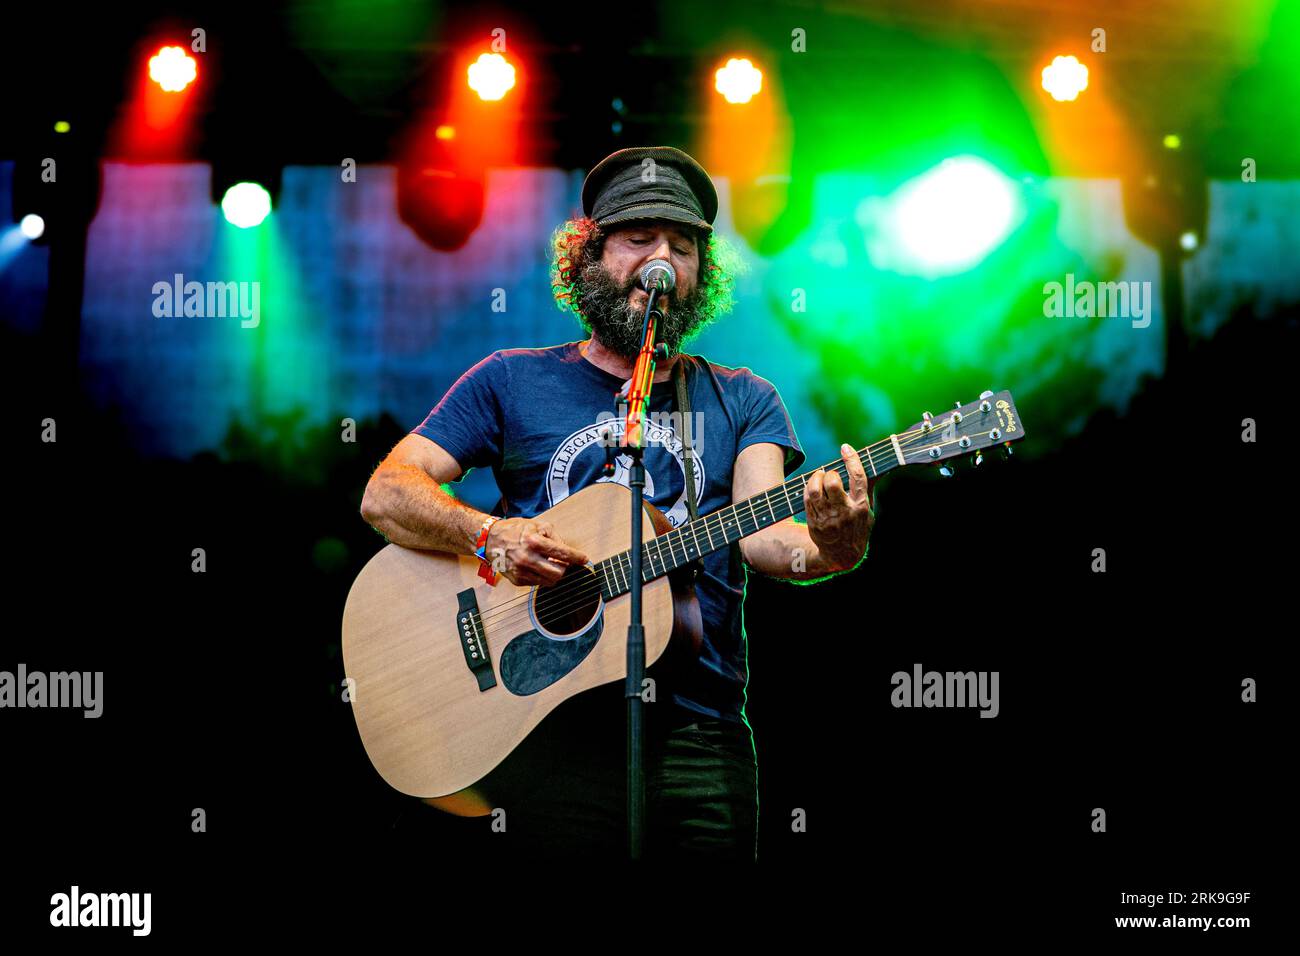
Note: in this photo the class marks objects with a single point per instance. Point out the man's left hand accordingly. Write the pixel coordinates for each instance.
(840, 521)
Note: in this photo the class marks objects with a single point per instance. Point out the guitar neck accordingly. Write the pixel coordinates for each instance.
(967, 429)
(712, 532)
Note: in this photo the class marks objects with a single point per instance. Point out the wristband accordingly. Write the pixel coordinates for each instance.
(480, 551)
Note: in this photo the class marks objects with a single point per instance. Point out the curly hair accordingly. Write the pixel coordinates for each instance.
(578, 243)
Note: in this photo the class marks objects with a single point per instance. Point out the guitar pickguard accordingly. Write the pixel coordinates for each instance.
(532, 661)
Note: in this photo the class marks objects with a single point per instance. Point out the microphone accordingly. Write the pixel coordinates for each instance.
(658, 274)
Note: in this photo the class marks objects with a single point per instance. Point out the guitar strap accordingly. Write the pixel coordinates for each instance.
(683, 401)
(684, 408)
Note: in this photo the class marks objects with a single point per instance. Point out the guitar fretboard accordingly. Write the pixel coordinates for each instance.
(711, 532)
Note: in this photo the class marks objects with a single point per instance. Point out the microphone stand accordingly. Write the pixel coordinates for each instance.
(632, 444)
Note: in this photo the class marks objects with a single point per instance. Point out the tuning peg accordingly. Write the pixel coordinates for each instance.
(979, 458)
(986, 394)
(926, 422)
(948, 469)
(1006, 449)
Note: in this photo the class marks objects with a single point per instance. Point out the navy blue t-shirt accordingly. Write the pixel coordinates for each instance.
(533, 415)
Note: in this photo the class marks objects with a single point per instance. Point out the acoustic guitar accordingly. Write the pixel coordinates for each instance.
(448, 674)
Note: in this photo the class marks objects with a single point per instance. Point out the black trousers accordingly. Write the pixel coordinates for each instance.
(563, 792)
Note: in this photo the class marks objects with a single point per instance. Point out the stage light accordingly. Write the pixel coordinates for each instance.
(245, 205)
(1065, 78)
(62, 126)
(32, 226)
(1173, 141)
(490, 76)
(440, 205)
(172, 69)
(738, 81)
(947, 219)
(1189, 241)
(44, 214)
(445, 132)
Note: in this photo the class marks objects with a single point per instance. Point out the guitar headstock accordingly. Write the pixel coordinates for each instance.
(990, 422)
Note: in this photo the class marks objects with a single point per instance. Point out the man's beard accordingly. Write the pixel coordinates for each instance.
(616, 321)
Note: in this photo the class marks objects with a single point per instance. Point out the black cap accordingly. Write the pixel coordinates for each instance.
(623, 187)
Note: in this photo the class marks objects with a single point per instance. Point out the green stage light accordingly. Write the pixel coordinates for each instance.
(245, 205)
(947, 219)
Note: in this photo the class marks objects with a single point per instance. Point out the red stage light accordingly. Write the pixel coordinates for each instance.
(172, 69)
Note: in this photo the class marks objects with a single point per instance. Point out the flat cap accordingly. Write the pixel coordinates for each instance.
(623, 187)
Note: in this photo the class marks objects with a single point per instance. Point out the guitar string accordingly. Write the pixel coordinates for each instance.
(565, 597)
(569, 596)
(589, 586)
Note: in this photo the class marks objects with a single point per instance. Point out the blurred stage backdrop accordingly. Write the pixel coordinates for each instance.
(904, 188)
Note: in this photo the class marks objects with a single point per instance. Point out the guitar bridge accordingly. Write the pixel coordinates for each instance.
(469, 632)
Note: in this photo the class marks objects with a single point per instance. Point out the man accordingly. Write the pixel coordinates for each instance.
(531, 415)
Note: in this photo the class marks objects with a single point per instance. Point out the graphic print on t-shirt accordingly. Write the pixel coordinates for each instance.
(586, 441)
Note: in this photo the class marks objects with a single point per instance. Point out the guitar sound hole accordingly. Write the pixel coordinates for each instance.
(570, 604)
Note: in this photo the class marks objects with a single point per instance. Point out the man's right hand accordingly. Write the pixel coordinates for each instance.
(527, 552)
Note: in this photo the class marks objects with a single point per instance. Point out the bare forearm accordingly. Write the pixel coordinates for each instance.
(787, 551)
(409, 508)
